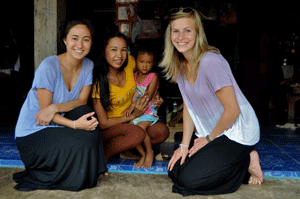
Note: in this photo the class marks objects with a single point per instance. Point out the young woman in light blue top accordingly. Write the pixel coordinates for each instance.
(56, 133)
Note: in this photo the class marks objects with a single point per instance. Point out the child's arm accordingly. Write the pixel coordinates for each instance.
(152, 88)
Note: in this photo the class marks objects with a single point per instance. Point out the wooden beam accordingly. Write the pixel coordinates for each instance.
(48, 15)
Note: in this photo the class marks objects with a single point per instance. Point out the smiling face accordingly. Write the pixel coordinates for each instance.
(116, 52)
(183, 35)
(144, 63)
(78, 41)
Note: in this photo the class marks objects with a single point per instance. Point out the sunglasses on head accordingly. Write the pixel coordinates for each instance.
(184, 10)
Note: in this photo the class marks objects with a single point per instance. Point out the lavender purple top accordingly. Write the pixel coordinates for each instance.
(205, 108)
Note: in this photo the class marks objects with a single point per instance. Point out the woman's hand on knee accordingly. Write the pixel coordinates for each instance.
(86, 122)
(199, 143)
(182, 153)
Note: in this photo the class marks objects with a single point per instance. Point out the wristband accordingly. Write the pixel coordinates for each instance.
(181, 145)
(74, 124)
(208, 139)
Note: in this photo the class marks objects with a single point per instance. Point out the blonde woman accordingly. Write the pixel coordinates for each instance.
(220, 156)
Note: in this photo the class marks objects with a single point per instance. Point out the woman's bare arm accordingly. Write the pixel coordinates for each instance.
(106, 122)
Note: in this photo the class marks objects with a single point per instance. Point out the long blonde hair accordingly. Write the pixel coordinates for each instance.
(173, 61)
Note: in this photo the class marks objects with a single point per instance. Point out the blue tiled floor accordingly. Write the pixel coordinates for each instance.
(126, 166)
(279, 151)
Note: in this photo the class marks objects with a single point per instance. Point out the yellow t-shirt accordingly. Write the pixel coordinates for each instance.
(121, 96)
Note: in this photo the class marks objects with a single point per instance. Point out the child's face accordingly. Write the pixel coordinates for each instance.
(144, 63)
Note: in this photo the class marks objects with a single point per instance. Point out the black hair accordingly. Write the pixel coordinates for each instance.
(145, 48)
(69, 24)
(101, 69)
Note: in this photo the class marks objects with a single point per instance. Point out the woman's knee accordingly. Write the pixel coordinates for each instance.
(186, 181)
(194, 177)
(159, 132)
(137, 132)
(78, 112)
(191, 179)
(128, 131)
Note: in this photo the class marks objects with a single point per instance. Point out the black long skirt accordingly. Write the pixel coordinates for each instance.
(61, 158)
(220, 167)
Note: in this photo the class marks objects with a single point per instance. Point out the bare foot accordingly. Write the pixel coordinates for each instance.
(106, 173)
(254, 180)
(148, 160)
(140, 162)
(255, 169)
(103, 174)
